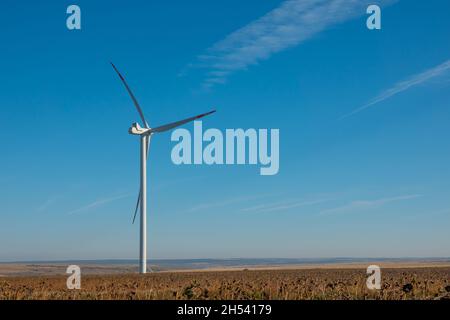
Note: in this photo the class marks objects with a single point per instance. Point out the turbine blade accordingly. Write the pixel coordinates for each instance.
(179, 123)
(137, 205)
(136, 103)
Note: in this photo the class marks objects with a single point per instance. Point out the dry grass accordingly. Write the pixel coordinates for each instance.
(419, 283)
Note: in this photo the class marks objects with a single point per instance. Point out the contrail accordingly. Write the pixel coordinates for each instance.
(404, 85)
(97, 203)
(288, 25)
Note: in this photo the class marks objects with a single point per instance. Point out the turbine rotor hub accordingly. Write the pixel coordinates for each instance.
(136, 129)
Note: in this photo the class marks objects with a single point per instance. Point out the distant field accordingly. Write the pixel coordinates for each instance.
(108, 267)
(319, 283)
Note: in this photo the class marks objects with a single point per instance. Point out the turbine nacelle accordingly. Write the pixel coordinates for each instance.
(136, 129)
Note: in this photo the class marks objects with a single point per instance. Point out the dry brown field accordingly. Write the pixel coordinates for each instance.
(319, 283)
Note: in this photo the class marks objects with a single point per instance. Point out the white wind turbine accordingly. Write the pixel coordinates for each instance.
(145, 133)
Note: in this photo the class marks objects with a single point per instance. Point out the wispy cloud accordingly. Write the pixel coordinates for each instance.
(399, 87)
(218, 204)
(177, 182)
(284, 205)
(288, 25)
(48, 203)
(367, 204)
(98, 203)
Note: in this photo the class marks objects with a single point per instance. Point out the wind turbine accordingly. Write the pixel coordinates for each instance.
(145, 134)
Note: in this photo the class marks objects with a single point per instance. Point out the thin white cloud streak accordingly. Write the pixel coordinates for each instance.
(43, 207)
(284, 205)
(288, 25)
(98, 203)
(367, 204)
(236, 200)
(177, 182)
(399, 87)
(211, 205)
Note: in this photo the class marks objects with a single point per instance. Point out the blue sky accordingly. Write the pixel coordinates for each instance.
(363, 118)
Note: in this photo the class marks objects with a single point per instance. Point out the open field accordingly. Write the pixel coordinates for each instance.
(202, 265)
(319, 283)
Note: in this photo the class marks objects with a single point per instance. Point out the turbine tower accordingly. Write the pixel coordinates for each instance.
(145, 134)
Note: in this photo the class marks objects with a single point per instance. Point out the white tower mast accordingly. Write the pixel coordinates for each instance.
(143, 235)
